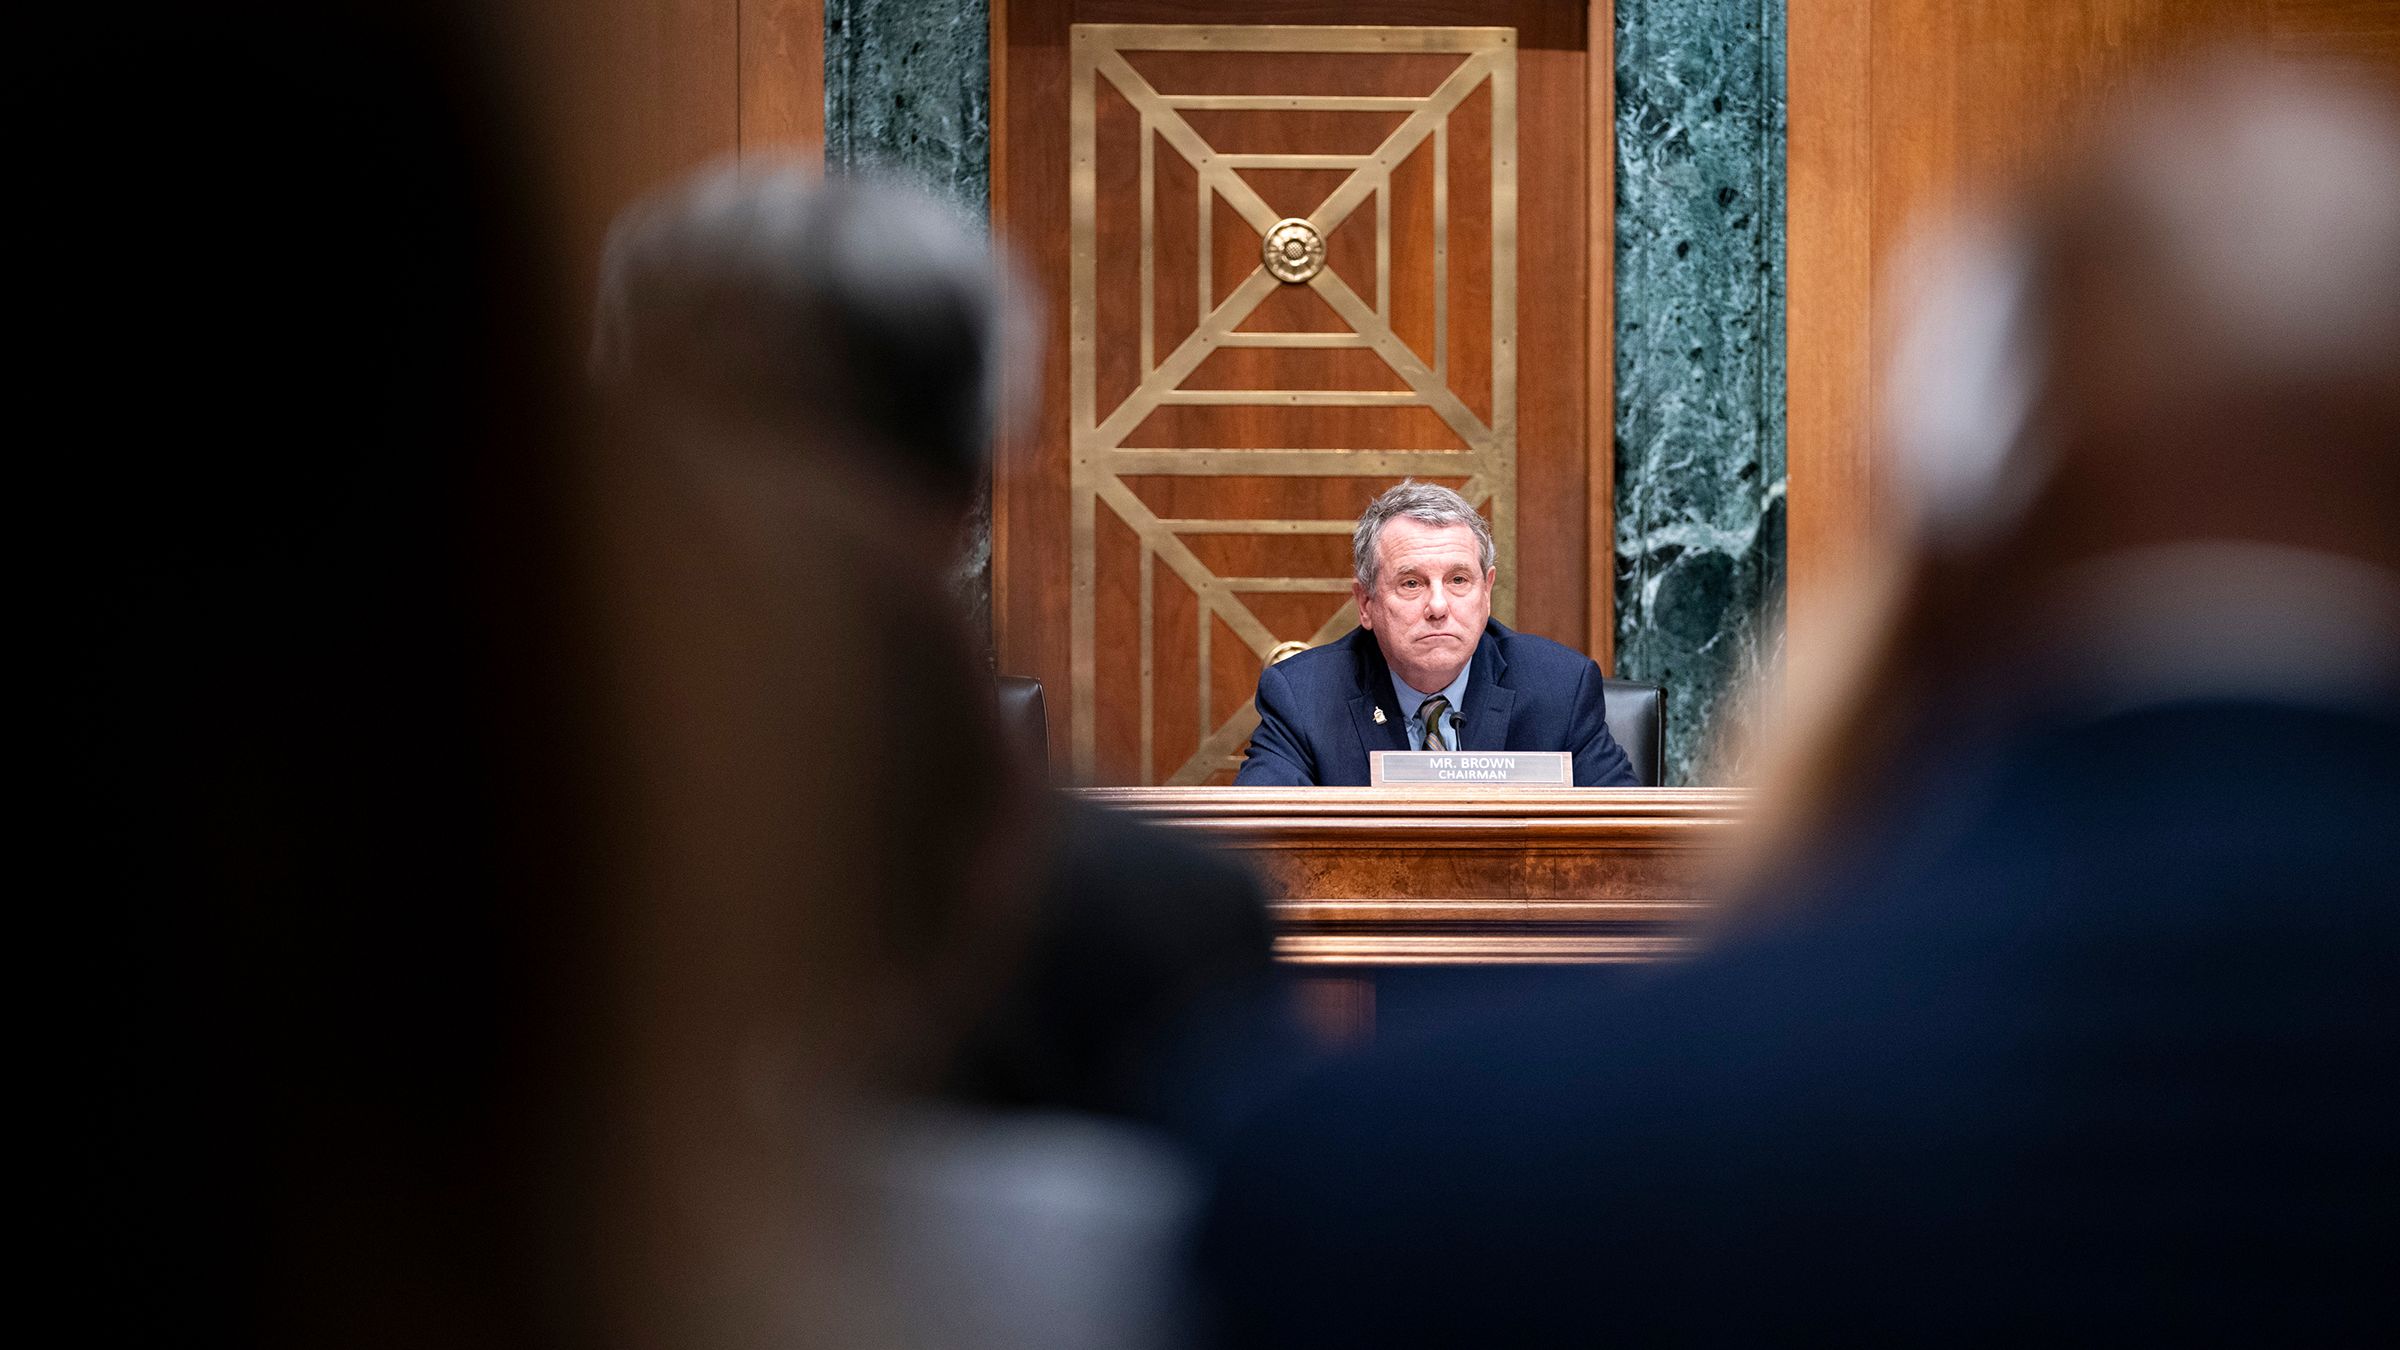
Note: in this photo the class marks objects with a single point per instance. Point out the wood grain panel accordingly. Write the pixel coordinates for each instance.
(1118, 234)
(633, 93)
(1263, 555)
(782, 80)
(1175, 685)
(1175, 244)
(1903, 113)
(1187, 427)
(1553, 366)
(1332, 368)
(1252, 131)
(1464, 347)
(1414, 74)
(2365, 33)
(1829, 293)
(1412, 290)
(1030, 540)
(1119, 664)
(1599, 342)
(1444, 876)
(1235, 495)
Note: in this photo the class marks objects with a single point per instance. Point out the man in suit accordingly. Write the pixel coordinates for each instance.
(1427, 667)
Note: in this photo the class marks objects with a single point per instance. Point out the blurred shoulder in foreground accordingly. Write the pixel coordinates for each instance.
(874, 335)
(2058, 1003)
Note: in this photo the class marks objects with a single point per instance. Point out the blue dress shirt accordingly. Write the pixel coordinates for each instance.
(1411, 701)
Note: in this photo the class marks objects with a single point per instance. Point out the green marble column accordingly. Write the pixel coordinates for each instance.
(1699, 360)
(908, 92)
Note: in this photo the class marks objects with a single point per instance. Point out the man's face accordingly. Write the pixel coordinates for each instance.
(1429, 602)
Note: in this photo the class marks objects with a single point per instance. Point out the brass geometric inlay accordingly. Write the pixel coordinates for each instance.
(1292, 253)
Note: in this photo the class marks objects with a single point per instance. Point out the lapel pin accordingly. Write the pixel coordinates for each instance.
(1379, 717)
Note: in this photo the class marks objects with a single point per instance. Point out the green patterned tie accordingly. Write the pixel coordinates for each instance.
(1430, 714)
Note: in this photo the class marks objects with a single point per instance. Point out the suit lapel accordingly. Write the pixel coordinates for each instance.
(1484, 725)
(1375, 693)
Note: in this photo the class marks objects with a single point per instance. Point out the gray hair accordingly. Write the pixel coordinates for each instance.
(805, 302)
(1425, 503)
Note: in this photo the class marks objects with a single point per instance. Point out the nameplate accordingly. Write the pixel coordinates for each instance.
(1453, 768)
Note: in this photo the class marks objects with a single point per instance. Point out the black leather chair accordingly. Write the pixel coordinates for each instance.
(1025, 720)
(1637, 717)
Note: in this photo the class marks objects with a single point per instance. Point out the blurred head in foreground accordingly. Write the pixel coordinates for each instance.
(800, 376)
(815, 363)
(768, 302)
(2054, 1011)
(2145, 432)
(848, 340)
(876, 336)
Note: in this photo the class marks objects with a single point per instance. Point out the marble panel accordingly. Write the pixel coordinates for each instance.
(908, 92)
(1699, 362)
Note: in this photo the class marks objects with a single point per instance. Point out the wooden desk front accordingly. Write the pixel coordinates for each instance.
(1452, 876)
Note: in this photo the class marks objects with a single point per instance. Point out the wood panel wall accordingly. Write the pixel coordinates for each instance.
(631, 93)
(1563, 559)
(1901, 112)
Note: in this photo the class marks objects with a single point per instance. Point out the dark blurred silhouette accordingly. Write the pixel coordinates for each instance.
(2064, 1000)
(502, 877)
(318, 797)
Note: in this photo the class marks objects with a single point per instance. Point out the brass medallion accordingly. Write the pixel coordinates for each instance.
(1293, 251)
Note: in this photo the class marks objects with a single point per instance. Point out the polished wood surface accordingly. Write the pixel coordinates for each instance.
(1458, 876)
(629, 94)
(1600, 329)
(783, 78)
(1166, 690)
(1903, 113)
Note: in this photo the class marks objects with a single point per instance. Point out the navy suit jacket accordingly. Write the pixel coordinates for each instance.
(1317, 722)
(2088, 1035)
